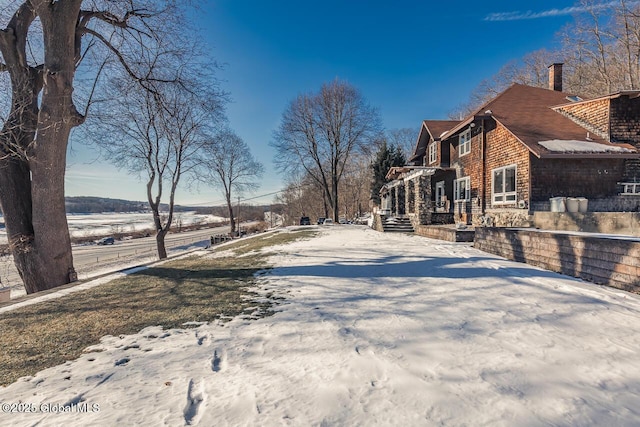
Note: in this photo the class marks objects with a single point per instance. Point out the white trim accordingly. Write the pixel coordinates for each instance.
(433, 152)
(419, 172)
(508, 197)
(467, 143)
(391, 184)
(630, 188)
(440, 185)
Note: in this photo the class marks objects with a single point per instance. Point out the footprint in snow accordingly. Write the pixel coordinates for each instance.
(122, 361)
(216, 361)
(201, 338)
(195, 397)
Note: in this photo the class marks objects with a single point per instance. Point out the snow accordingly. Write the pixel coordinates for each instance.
(573, 146)
(375, 329)
(84, 225)
(67, 291)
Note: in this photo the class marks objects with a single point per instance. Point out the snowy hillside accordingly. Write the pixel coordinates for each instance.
(84, 225)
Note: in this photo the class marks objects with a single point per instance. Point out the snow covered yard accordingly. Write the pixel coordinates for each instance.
(375, 329)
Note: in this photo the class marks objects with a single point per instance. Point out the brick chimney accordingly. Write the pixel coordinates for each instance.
(555, 76)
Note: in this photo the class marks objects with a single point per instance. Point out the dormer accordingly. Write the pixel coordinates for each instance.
(429, 148)
(614, 118)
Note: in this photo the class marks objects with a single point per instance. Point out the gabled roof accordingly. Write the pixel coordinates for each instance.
(437, 127)
(526, 112)
(431, 129)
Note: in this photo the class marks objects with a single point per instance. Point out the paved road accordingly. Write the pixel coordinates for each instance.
(92, 259)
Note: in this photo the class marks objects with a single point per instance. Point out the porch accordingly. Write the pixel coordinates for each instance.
(420, 194)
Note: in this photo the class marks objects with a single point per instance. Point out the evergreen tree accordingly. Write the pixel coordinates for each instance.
(385, 159)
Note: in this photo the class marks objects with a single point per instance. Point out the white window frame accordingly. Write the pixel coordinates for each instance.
(631, 188)
(467, 187)
(433, 152)
(504, 197)
(464, 143)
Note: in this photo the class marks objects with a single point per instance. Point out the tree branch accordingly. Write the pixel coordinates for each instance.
(110, 18)
(124, 63)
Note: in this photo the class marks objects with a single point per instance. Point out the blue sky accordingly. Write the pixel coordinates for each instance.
(413, 60)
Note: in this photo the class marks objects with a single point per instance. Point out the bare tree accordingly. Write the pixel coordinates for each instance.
(355, 187)
(587, 47)
(320, 132)
(43, 42)
(160, 134)
(403, 138)
(229, 164)
(601, 53)
(299, 198)
(531, 70)
(624, 29)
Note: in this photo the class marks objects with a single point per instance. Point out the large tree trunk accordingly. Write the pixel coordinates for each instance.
(15, 183)
(58, 115)
(162, 249)
(32, 175)
(15, 198)
(161, 231)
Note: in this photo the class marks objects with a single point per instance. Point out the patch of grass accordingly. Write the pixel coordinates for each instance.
(196, 289)
(244, 247)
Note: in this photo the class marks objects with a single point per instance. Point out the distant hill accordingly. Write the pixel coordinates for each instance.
(100, 204)
(89, 204)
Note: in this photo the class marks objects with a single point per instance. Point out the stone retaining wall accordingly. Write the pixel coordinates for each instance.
(618, 203)
(447, 233)
(611, 262)
(627, 223)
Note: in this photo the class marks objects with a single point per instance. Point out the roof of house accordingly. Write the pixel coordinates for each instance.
(526, 112)
(435, 129)
(629, 93)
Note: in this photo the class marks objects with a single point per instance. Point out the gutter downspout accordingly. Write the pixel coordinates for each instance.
(483, 151)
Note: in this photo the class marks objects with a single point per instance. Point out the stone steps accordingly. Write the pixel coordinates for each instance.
(397, 225)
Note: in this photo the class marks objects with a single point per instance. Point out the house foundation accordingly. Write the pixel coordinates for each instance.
(602, 260)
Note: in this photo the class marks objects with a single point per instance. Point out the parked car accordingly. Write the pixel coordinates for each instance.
(305, 220)
(328, 221)
(106, 241)
(321, 220)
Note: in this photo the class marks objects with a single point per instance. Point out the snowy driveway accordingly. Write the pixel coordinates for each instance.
(375, 329)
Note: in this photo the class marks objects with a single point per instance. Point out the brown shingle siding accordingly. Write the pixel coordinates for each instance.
(559, 148)
(469, 164)
(591, 178)
(592, 115)
(503, 149)
(625, 120)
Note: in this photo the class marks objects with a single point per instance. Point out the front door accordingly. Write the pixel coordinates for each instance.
(440, 195)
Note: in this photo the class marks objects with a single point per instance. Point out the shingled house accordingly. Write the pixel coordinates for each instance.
(517, 153)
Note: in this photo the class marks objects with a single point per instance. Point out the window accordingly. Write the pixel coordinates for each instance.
(462, 188)
(433, 152)
(504, 185)
(630, 188)
(464, 146)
